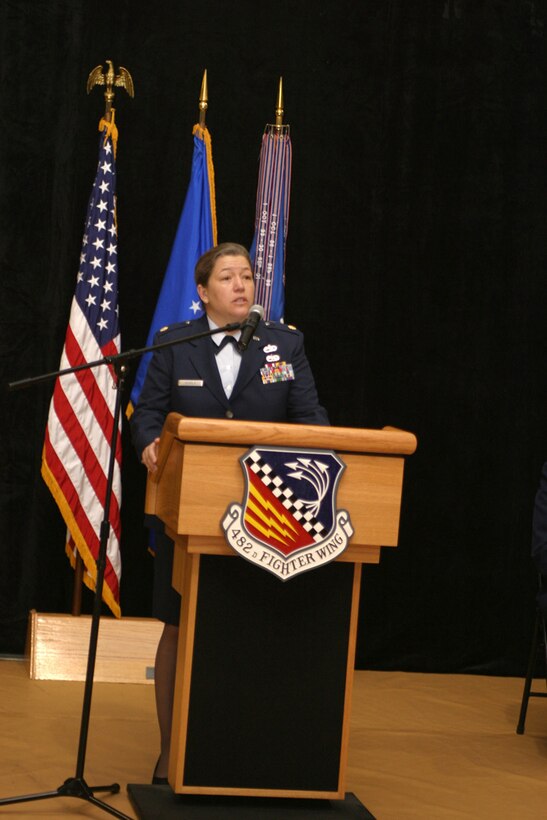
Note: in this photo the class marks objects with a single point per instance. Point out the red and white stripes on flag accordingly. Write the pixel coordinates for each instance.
(81, 416)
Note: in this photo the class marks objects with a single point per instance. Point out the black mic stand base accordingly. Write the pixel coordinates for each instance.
(73, 787)
(76, 786)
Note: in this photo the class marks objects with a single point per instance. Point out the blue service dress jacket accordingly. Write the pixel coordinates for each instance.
(275, 382)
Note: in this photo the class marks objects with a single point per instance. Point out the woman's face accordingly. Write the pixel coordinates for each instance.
(229, 293)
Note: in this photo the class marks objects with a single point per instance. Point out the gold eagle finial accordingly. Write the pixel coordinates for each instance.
(111, 80)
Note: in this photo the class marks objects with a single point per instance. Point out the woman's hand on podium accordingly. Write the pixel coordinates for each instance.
(150, 456)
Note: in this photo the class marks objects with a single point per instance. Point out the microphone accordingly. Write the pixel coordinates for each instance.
(249, 326)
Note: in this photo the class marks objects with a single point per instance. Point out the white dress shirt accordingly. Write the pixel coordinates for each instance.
(228, 359)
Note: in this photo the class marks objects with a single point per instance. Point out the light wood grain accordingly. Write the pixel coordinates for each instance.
(181, 703)
(428, 746)
(354, 439)
(198, 482)
(209, 545)
(58, 645)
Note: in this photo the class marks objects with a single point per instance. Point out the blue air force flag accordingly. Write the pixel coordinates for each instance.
(196, 233)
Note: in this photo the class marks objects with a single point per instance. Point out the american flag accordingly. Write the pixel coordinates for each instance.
(81, 415)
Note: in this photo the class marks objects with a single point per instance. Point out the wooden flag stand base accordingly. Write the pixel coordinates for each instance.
(57, 648)
(151, 802)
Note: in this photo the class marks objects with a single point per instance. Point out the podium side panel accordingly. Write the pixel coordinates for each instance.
(167, 494)
(268, 683)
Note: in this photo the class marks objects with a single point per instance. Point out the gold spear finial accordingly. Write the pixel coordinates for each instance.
(203, 100)
(279, 109)
(110, 79)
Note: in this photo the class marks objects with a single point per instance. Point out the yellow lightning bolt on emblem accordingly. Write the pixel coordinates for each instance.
(272, 526)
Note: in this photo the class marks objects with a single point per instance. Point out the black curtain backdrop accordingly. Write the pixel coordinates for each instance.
(416, 267)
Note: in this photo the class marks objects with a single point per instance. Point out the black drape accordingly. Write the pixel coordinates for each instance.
(415, 266)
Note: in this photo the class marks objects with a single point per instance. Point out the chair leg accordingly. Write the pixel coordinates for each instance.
(532, 660)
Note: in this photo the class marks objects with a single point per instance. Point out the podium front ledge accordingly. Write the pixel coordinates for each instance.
(216, 545)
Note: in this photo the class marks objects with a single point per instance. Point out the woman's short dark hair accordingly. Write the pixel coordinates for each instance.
(206, 263)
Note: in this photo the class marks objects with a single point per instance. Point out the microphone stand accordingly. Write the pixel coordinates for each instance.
(76, 786)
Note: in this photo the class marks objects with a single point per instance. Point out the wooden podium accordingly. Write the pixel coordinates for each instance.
(265, 667)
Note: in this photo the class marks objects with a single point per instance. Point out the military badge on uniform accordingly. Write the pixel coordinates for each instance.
(288, 522)
(273, 372)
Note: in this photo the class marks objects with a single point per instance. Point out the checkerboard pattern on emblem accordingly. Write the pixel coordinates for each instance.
(278, 488)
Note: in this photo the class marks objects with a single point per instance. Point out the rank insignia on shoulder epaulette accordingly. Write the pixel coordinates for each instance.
(175, 325)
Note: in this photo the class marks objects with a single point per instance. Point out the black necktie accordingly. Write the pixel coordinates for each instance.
(225, 341)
